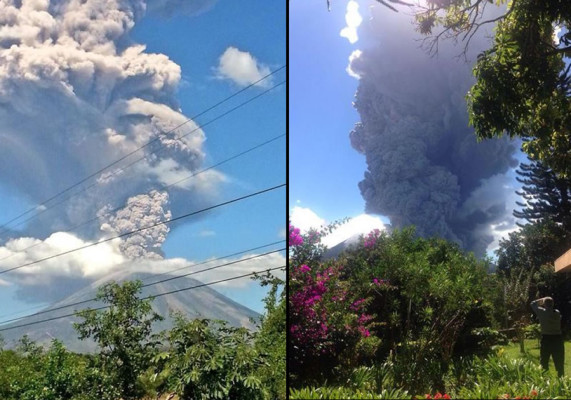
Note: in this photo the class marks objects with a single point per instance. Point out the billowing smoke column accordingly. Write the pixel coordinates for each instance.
(425, 167)
(77, 94)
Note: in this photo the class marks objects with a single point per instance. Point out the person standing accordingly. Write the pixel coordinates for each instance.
(551, 336)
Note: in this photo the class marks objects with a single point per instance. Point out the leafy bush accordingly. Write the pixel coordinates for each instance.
(394, 289)
(346, 393)
(533, 331)
(328, 321)
(209, 360)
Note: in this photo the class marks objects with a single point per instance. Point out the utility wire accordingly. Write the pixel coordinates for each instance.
(146, 298)
(122, 169)
(211, 268)
(162, 188)
(165, 280)
(145, 228)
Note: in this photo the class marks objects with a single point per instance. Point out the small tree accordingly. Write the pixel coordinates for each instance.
(208, 360)
(123, 333)
(271, 339)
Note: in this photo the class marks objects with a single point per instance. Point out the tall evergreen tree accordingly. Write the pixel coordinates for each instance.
(548, 197)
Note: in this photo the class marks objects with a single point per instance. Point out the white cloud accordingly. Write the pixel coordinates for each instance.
(354, 55)
(353, 19)
(91, 262)
(242, 68)
(282, 233)
(359, 225)
(206, 233)
(47, 280)
(305, 218)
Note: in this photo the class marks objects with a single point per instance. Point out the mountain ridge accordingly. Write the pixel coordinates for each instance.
(202, 302)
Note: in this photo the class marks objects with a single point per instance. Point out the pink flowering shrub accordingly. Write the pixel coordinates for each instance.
(370, 240)
(327, 321)
(295, 238)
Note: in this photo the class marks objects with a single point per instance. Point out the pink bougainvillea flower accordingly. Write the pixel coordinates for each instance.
(356, 304)
(295, 238)
(304, 268)
(364, 332)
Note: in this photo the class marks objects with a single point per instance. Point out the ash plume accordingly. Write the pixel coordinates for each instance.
(141, 211)
(76, 94)
(425, 167)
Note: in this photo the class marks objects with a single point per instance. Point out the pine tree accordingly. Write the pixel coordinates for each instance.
(548, 197)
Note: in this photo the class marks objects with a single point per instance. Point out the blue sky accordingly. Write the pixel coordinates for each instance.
(324, 169)
(254, 31)
(261, 32)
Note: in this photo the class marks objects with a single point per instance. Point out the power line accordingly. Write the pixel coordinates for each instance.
(163, 187)
(165, 280)
(145, 228)
(211, 268)
(146, 298)
(122, 169)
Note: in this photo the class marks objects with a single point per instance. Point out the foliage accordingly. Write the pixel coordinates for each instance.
(548, 197)
(533, 249)
(37, 375)
(394, 289)
(197, 359)
(522, 83)
(61, 376)
(345, 393)
(208, 360)
(501, 377)
(493, 377)
(123, 333)
(327, 321)
(270, 340)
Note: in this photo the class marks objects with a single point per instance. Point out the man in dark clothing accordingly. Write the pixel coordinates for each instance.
(551, 337)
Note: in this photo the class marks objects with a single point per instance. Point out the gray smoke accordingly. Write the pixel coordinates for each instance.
(76, 93)
(142, 211)
(425, 167)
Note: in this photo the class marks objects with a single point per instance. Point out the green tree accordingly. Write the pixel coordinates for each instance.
(532, 246)
(270, 340)
(548, 197)
(209, 360)
(123, 333)
(61, 376)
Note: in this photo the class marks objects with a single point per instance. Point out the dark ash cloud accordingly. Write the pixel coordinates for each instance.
(425, 166)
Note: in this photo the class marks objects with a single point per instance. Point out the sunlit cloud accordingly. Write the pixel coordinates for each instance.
(305, 219)
(242, 68)
(353, 20)
(354, 55)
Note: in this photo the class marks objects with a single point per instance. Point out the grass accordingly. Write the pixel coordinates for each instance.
(532, 353)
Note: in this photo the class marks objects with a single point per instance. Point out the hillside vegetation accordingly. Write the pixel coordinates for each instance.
(196, 359)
